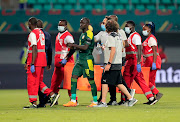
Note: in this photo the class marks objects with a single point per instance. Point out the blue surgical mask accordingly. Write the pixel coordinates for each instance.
(127, 30)
(103, 27)
(145, 33)
(61, 28)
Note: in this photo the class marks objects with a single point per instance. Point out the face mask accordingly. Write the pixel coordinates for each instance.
(127, 30)
(103, 27)
(61, 28)
(145, 33)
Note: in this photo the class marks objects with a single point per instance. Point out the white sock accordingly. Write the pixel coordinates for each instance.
(151, 98)
(95, 102)
(74, 101)
(131, 99)
(52, 95)
(103, 103)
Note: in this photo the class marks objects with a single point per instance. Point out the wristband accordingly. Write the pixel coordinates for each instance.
(109, 62)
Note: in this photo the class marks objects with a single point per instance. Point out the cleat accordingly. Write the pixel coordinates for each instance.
(147, 102)
(54, 99)
(132, 93)
(101, 105)
(92, 104)
(32, 106)
(132, 102)
(41, 106)
(112, 103)
(48, 102)
(70, 104)
(152, 102)
(158, 96)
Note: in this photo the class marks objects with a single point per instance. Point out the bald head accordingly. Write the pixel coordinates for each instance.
(39, 23)
(114, 17)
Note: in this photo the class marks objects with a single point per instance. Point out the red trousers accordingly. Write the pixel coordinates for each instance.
(152, 84)
(57, 77)
(131, 73)
(35, 82)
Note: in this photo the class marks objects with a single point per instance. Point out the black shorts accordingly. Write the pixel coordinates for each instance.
(112, 77)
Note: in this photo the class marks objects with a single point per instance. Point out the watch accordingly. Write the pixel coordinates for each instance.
(109, 63)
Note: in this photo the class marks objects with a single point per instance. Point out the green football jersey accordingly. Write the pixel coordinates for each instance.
(86, 38)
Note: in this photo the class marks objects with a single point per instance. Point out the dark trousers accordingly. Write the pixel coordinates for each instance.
(42, 98)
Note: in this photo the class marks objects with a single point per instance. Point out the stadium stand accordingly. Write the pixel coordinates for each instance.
(105, 4)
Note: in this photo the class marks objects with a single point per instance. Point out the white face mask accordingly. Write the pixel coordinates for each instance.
(127, 30)
(145, 33)
(61, 28)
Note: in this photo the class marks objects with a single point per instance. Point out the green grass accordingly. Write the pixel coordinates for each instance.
(167, 109)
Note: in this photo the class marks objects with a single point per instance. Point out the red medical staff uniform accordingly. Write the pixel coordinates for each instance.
(130, 71)
(61, 51)
(35, 80)
(148, 53)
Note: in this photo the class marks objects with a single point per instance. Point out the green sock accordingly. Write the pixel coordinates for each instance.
(73, 88)
(93, 90)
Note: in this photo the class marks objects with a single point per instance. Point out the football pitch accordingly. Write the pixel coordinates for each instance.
(167, 109)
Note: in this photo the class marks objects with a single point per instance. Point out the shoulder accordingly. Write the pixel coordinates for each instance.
(121, 31)
(32, 34)
(136, 35)
(89, 34)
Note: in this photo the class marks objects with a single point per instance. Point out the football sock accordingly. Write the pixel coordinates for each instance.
(93, 90)
(73, 88)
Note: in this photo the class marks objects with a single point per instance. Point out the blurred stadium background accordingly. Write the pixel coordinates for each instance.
(15, 13)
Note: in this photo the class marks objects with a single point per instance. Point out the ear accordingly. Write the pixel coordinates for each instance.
(66, 27)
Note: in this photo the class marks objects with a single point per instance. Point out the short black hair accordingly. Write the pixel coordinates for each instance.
(39, 23)
(131, 22)
(65, 21)
(33, 21)
(87, 20)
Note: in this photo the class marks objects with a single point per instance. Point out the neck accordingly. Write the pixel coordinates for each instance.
(149, 34)
(84, 30)
(32, 28)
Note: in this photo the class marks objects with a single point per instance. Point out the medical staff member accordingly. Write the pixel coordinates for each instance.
(132, 69)
(36, 61)
(152, 58)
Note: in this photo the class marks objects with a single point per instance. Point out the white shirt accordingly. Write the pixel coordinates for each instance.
(32, 39)
(101, 36)
(113, 42)
(123, 37)
(68, 39)
(152, 42)
(136, 39)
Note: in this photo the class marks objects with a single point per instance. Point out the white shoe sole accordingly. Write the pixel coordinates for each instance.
(154, 102)
(57, 97)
